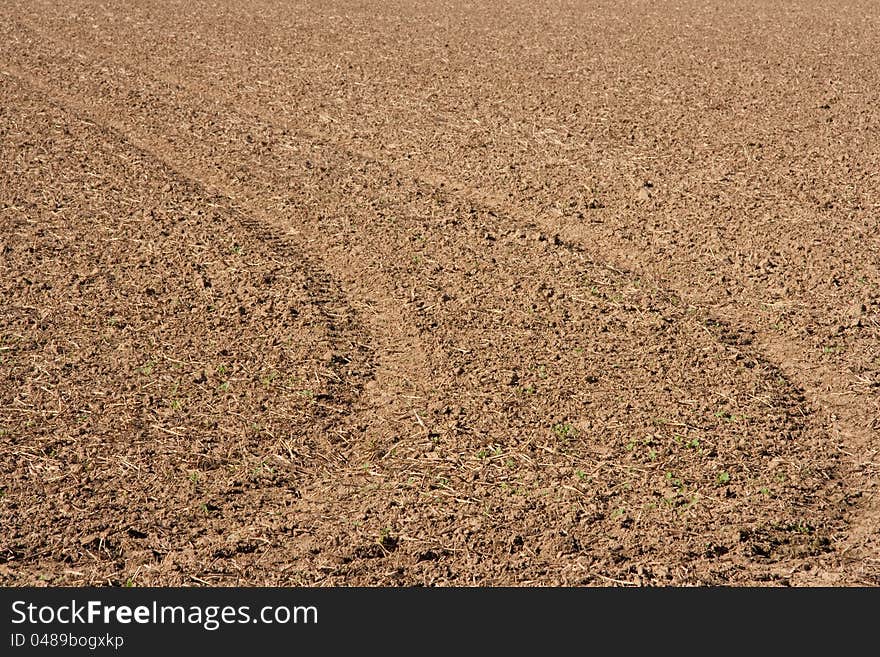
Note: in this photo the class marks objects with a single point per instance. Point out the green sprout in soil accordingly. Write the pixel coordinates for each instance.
(674, 481)
(727, 416)
(564, 430)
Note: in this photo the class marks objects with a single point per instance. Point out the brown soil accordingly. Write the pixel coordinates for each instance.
(362, 293)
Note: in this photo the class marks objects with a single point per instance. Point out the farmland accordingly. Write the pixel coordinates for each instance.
(446, 294)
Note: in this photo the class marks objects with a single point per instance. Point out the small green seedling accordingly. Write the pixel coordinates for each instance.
(564, 430)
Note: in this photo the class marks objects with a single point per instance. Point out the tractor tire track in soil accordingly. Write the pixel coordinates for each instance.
(840, 397)
(126, 410)
(607, 475)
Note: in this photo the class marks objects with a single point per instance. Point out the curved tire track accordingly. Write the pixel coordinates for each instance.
(512, 243)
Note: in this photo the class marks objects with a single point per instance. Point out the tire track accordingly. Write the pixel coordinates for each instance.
(324, 291)
(845, 418)
(485, 230)
(837, 411)
(95, 289)
(819, 382)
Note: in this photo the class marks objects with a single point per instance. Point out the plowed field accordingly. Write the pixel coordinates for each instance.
(445, 293)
